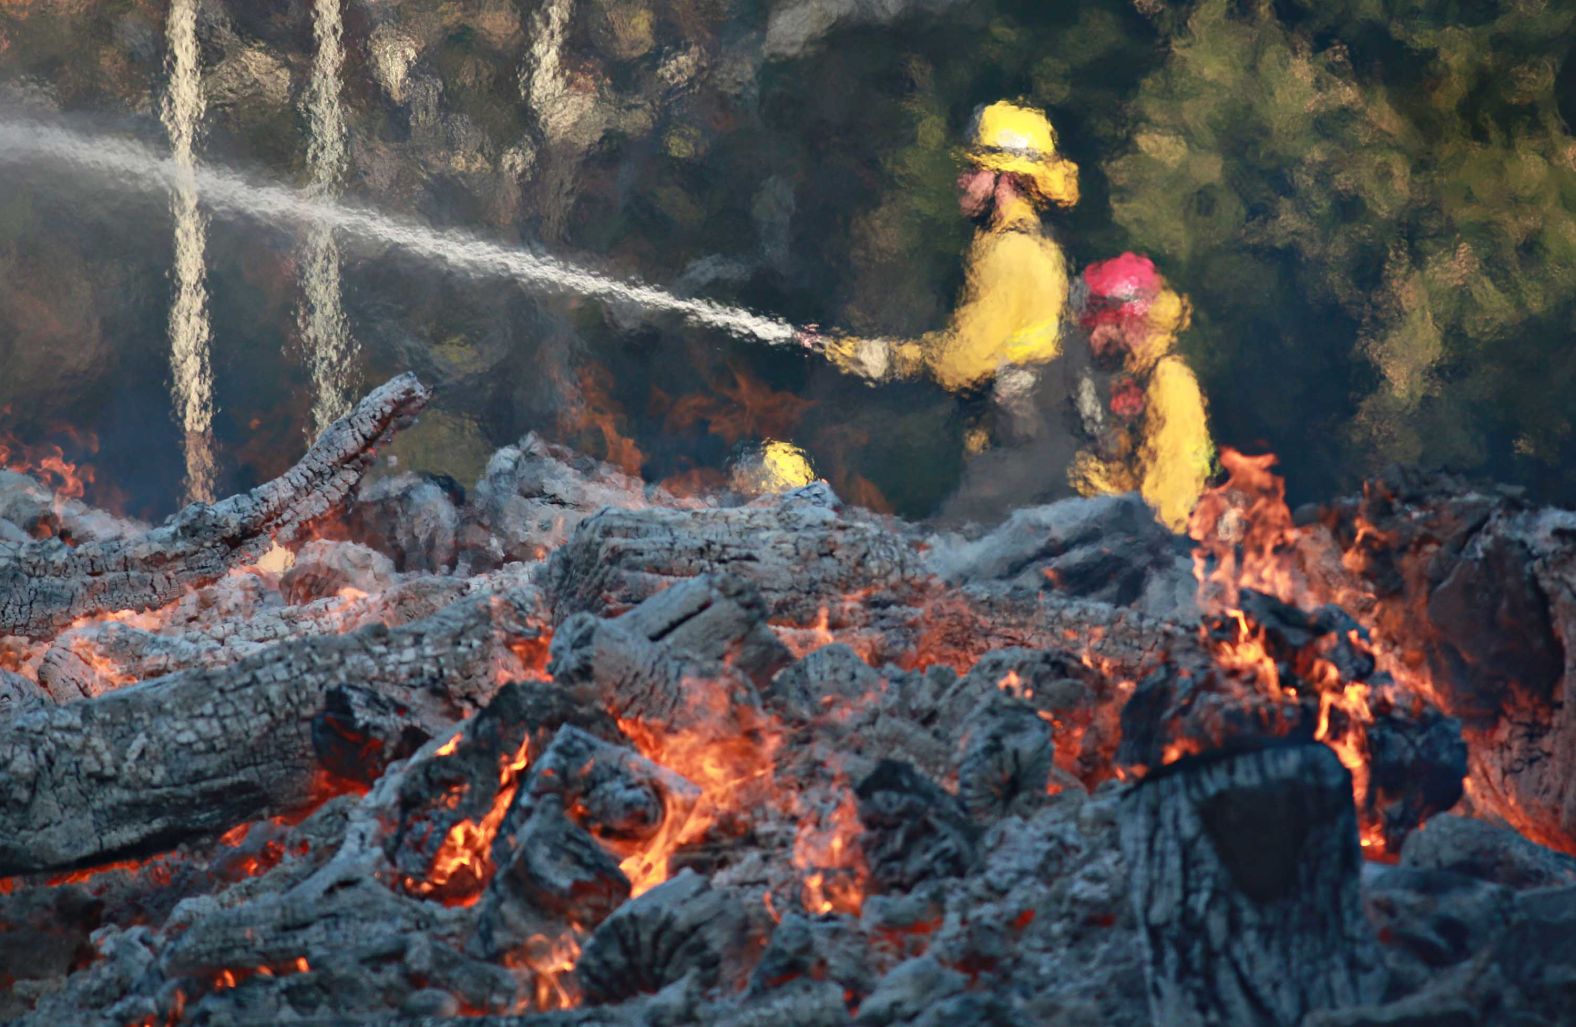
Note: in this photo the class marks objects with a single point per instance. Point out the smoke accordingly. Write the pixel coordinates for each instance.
(189, 330)
(330, 351)
(129, 165)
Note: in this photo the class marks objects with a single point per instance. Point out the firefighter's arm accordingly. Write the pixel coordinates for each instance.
(1177, 450)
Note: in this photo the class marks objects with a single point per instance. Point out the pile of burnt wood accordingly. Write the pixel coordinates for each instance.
(563, 748)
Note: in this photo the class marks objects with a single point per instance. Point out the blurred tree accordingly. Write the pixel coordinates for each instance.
(1373, 203)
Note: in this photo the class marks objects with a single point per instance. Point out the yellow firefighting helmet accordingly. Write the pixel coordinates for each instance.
(1020, 140)
(772, 466)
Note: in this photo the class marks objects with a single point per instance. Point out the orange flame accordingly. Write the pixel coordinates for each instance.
(465, 855)
(552, 962)
(48, 464)
(732, 765)
(829, 855)
(596, 416)
(1246, 539)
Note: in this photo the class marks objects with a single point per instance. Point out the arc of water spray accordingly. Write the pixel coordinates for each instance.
(131, 165)
(325, 331)
(190, 369)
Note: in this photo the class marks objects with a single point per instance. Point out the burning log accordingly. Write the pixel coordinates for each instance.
(826, 573)
(552, 872)
(1006, 759)
(450, 803)
(88, 781)
(1480, 586)
(1282, 672)
(46, 585)
(619, 795)
(1244, 876)
(341, 929)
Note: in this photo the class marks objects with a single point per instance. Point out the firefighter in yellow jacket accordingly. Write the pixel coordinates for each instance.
(1141, 408)
(1010, 319)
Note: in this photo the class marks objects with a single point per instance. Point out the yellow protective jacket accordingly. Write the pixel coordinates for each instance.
(1170, 461)
(1014, 295)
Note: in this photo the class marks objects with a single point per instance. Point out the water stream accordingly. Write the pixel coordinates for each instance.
(130, 165)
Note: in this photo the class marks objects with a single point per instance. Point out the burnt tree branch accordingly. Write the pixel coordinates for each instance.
(45, 585)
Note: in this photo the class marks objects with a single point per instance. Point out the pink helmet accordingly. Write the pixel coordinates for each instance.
(1122, 279)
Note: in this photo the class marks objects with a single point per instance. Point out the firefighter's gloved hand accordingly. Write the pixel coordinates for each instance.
(809, 338)
(868, 358)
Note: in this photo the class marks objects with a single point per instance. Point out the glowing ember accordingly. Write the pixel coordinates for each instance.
(465, 858)
(828, 854)
(730, 760)
(552, 962)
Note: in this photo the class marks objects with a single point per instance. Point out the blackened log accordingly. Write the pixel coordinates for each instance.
(660, 666)
(46, 585)
(913, 830)
(532, 495)
(360, 731)
(99, 656)
(478, 771)
(551, 872)
(200, 751)
(830, 948)
(1006, 759)
(616, 793)
(412, 519)
(339, 926)
(715, 617)
(831, 673)
(1244, 873)
(799, 550)
(680, 927)
(1485, 588)
(1416, 764)
(1488, 852)
(825, 570)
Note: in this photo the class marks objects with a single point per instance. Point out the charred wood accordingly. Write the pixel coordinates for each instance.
(618, 795)
(413, 519)
(549, 871)
(88, 781)
(445, 796)
(46, 585)
(1488, 852)
(101, 656)
(680, 659)
(1244, 877)
(1006, 759)
(914, 831)
(681, 927)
